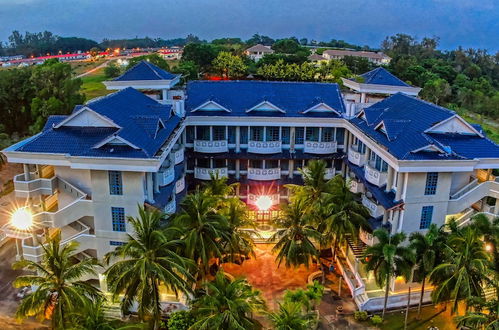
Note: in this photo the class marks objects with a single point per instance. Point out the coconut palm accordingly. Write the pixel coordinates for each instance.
(465, 269)
(427, 248)
(225, 304)
(145, 263)
(203, 229)
(388, 258)
(91, 316)
(241, 229)
(345, 215)
(217, 186)
(485, 315)
(294, 238)
(314, 184)
(59, 290)
(290, 316)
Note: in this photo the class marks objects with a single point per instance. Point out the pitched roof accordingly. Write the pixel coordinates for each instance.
(316, 57)
(260, 48)
(405, 120)
(141, 121)
(341, 52)
(380, 76)
(145, 70)
(240, 97)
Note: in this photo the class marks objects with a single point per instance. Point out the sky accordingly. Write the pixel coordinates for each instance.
(467, 23)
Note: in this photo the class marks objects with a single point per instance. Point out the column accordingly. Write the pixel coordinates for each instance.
(496, 207)
(363, 98)
(164, 94)
(389, 179)
(156, 182)
(150, 189)
(238, 167)
(292, 133)
(238, 139)
(385, 217)
(26, 172)
(291, 167)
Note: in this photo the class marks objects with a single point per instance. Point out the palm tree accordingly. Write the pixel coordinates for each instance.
(294, 238)
(388, 258)
(225, 304)
(203, 229)
(59, 289)
(217, 186)
(427, 248)
(484, 316)
(346, 215)
(91, 316)
(147, 261)
(314, 184)
(241, 229)
(466, 267)
(290, 317)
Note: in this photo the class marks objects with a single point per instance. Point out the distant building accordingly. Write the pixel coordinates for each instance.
(316, 58)
(373, 57)
(172, 53)
(258, 51)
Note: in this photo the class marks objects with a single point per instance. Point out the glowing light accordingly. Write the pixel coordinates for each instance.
(263, 203)
(488, 247)
(22, 219)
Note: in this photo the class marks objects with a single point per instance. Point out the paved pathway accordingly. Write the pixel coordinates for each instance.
(103, 65)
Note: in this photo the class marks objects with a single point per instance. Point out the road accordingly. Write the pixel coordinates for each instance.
(103, 65)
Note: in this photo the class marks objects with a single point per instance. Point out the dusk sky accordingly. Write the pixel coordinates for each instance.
(469, 23)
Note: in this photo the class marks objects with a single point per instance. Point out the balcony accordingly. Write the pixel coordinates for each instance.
(320, 148)
(265, 147)
(356, 187)
(264, 174)
(35, 186)
(203, 173)
(166, 176)
(178, 156)
(355, 157)
(330, 173)
(375, 176)
(252, 198)
(374, 209)
(74, 232)
(171, 207)
(211, 146)
(180, 185)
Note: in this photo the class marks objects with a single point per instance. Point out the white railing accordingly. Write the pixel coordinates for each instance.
(36, 186)
(321, 148)
(263, 174)
(203, 173)
(264, 147)
(178, 156)
(355, 157)
(375, 176)
(330, 173)
(366, 237)
(464, 189)
(374, 209)
(171, 207)
(211, 146)
(167, 176)
(356, 187)
(180, 185)
(252, 198)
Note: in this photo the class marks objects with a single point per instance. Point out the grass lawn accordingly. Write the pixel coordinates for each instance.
(92, 85)
(80, 67)
(430, 316)
(490, 125)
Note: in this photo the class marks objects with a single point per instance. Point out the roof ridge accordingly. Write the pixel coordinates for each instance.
(151, 66)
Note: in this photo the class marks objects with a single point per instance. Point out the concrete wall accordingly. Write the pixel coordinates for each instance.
(80, 178)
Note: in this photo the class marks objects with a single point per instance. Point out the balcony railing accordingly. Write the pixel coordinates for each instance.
(203, 173)
(330, 173)
(252, 198)
(264, 174)
(180, 185)
(374, 209)
(355, 157)
(356, 187)
(264, 147)
(167, 176)
(171, 207)
(178, 156)
(211, 146)
(320, 148)
(35, 186)
(375, 176)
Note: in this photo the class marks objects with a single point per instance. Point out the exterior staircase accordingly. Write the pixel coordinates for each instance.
(471, 193)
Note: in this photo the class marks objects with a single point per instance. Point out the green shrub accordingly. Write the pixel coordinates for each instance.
(376, 320)
(360, 315)
(180, 320)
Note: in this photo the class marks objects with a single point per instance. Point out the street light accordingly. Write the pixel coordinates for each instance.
(22, 219)
(488, 247)
(263, 203)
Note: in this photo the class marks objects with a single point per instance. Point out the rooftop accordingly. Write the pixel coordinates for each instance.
(260, 48)
(380, 76)
(145, 70)
(341, 52)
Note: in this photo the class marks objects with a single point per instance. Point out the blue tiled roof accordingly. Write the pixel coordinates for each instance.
(239, 96)
(145, 70)
(380, 76)
(143, 122)
(406, 118)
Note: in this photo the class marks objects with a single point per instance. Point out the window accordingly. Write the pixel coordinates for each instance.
(218, 133)
(232, 134)
(340, 135)
(256, 163)
(116, 243)
(115, 183)
(327, 134)
(431, 183)
(202, 133)
(285, 135)
(362, 147)
(244, 134)
(118, 216)
(190, 134)
(299, 132)
(256, 133)
(272, 133)
(271, 163)
(426, 215)
(312, 133)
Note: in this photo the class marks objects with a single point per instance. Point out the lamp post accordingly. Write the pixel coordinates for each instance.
(22, 220)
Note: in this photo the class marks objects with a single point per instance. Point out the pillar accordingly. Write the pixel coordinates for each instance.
(291, 168)
(292, 133)
(496, 207)
(363, 98)
(389, 179)
(26, 172)
(164, 94)
(156, 182)
(385, 217)
(150, 188)
(238, 168)
(400, 185)
(238, 138)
